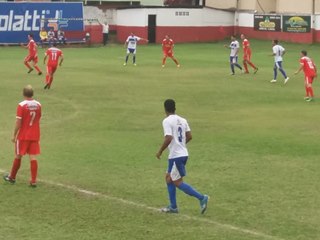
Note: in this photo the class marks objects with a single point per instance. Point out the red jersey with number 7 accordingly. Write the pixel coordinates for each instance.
(308, 66)
(29, 111)
(53, 56)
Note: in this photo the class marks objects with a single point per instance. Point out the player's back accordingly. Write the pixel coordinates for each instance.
(29, 111)
(177, 127)
(53, 54)
(234, 46)
(308, 66)
(278, 51)
(32, 47)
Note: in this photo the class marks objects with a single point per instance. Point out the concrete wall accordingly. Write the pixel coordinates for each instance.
(222, 4)
(295, 6)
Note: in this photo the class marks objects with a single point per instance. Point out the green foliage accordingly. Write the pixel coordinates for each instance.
(255, 149)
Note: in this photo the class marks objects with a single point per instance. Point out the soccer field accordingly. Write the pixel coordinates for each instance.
(255, 148)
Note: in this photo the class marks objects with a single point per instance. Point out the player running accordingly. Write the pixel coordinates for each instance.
(53, 54)
(26, 136)
(167, 48)
(177, 134)
(234, 46)
(131, 45)
(278, 51)
(247, 55)
(310, 72)
(32, 56)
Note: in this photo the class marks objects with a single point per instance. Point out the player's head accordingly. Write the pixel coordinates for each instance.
(167, 36)
(132, 34)
(28, 91)
(304, 53)
(170, 106)
(242, 36)
(233, 37)
(30, 36)
(275, 42)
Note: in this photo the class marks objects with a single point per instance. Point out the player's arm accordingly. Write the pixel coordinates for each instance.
(188, 136)
(125, 44)
(16, 129)
(299, 70)
(167, 140)
(283, 52)
(61, 60)
(45, 58)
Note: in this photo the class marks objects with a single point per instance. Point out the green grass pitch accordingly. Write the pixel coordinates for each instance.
(255, 149)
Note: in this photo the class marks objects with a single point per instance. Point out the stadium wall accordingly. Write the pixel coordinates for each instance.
(182, 24)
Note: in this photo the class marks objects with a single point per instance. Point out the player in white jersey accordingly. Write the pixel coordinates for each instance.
(177, 134)
(131, 45)
(234, 46)
(278, 51)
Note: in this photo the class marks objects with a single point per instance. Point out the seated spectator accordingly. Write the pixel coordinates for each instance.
(87, 39)
(43, 36)
(61, 37)
(51, 37)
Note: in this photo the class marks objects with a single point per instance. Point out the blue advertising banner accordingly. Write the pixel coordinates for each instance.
(17, 20)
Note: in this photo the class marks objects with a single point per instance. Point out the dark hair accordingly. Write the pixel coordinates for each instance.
(28, 91)
(30, 35)
(170, 106)
(276, 41)
(304, 52)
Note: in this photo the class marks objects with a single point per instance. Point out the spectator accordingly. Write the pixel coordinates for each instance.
(88, 39)
(105, 32)
(43, 36)
(61, 37)
(51, 37)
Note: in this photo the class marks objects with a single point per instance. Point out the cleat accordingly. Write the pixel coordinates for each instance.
(162, 66)
(8, 179)
(30, 70)
(46, 86)
(40, 73)
(273, 81)
(231, 73)
(286, 80)
(135, 64)
(204, 204)
(306, 98)
(125, 64)
(33, 185)
(246, 73)
(169, 210)
(178, 65)
(256, 70)
(310, 99)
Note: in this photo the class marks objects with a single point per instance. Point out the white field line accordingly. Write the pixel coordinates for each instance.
(140, 205)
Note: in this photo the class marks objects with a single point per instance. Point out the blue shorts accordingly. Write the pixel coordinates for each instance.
(131, 50)
(233, 59)
(177, 167)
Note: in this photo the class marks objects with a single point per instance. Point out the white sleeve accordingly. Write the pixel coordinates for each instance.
(167, 130)
(188, 129)
(274, 50)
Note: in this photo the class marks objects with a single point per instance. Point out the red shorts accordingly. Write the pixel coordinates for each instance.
(168, 53)
(24, 147)
(51, 69)
(247, 56)
(308, 79)
(30, 58)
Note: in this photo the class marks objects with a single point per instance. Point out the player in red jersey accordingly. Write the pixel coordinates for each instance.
(32, 56)
(247, 55)
(167, 48)
(26, 135)
(53, 54)
(310, 72)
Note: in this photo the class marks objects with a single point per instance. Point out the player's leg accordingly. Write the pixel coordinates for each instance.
(275, 72)
(53, 70)
(164, 59)
(34, 151)
(172, 208)
(35, 62)
(309, 88)
(20, 150)
(134, 57)
(235, 63)
(26, 63)
(177, 173)
(245, 65)
(175, 60)
(282, 70)
(231, 65)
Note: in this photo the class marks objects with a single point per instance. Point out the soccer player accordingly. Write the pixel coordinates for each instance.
(278, 51)
(167, 48)
(32, 56)
(131, 45)
(247, 55)
(53, 54)
(26, 136)
(177, 134)
(234, 46)
(310, 72)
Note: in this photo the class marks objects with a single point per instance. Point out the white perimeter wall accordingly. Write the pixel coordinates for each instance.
(171, 17)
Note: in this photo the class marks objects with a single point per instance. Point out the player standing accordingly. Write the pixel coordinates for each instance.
(26, 135)
(278, 51)
(53, 54)
(167, 48)
(247, 55)
(177, 134)
(131, 45)
(234, 46)
(32, 56)
(310, 72)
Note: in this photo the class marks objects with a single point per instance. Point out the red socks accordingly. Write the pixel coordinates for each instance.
(37, 68)
(34, 170)
(15, 167)
(28, 65)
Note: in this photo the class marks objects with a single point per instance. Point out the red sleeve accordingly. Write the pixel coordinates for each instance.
(19, 112)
